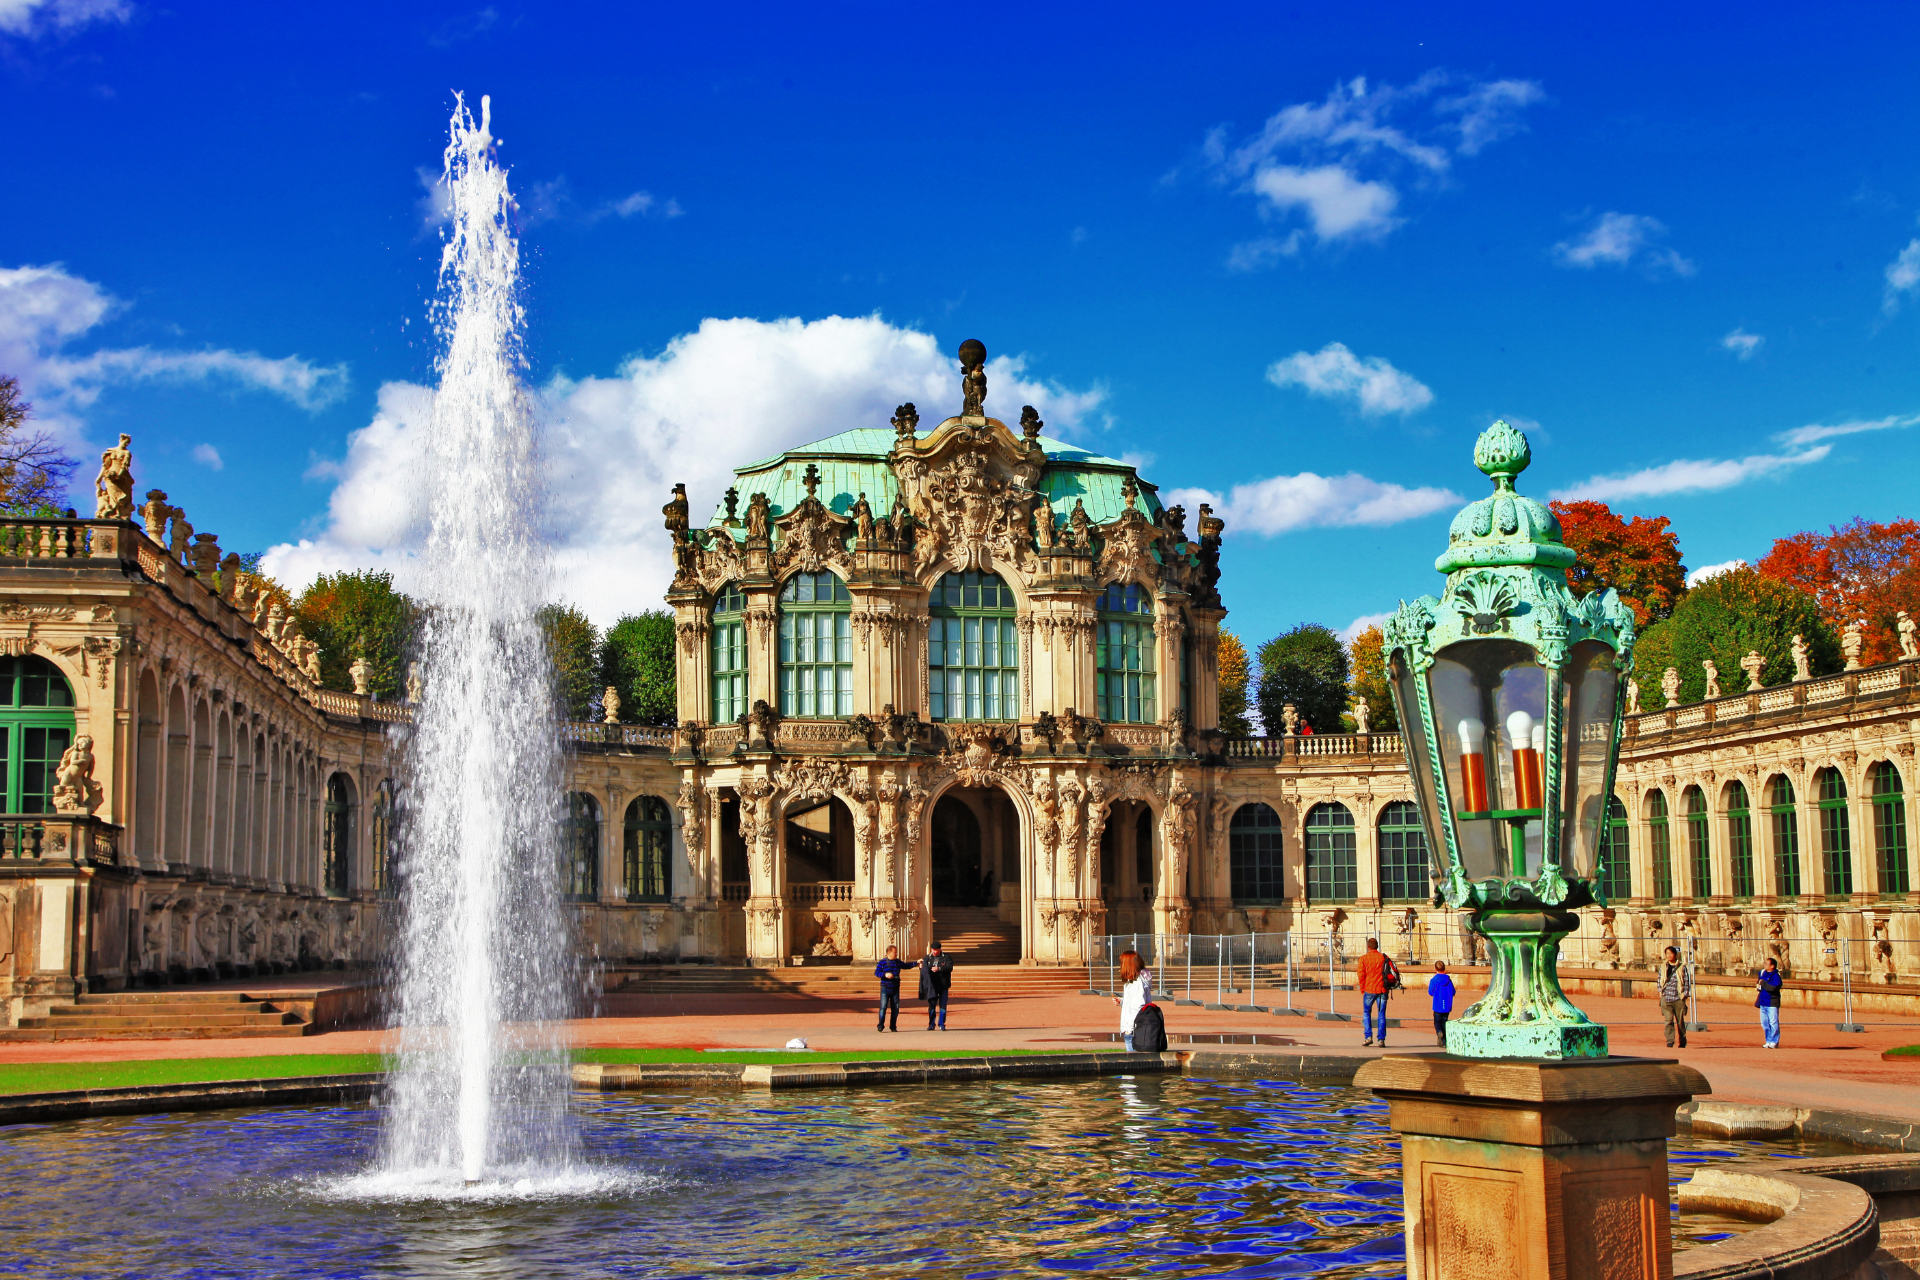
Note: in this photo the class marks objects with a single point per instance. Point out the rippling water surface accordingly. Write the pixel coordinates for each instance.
(1111, 1177)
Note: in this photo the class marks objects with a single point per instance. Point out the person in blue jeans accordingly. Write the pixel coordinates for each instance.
(888, 970)
(1372, 975)
(1440, 987)
(1768, 1002)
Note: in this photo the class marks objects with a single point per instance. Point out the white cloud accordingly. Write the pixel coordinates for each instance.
(434, 207)
(1687, 475)
(555, 201)
(37, 17)
(1697, 576)
(730, 393)
(1337, 374)
(1742, 343)
(1617, 239)
(1257, 255)
(45, 309)
(1280, 504)
(1816, 431)
(1362, 623)
(1340, 204)
(1903, 276)
(1491, 111)
(208, 456)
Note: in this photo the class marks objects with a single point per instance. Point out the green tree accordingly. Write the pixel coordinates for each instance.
(34, 471)
(1721, 620)
(573, 644)
(1368, 656)
(1306, 666)
(1232, 674)
(353, 613)
(636, 658)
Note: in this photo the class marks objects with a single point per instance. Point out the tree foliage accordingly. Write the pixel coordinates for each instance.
(1638, 558)
(1724, 618)
(34, 470)
(1368, 657)
(1306, 666)
(1232, 674)
(573, 644)
(636, 658)
(353, 613)
(1862, 570)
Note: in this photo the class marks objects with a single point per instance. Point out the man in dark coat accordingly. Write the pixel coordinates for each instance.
(888, 970)
(936, 976)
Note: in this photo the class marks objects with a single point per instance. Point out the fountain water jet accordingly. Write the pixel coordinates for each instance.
(479, 1089)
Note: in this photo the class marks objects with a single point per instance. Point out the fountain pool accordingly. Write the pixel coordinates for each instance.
(1110, 1177)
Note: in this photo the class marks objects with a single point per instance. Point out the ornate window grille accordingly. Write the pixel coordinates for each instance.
(580, 848)
(336, 836)
(1255, 861)
(1740, 832)
(1404, 860)
(1786, 837)
(973, 656)
(1699, 843)
(36, 728)
(1889, 828)
(648, 844)
(1836, 840)
(1662, 845)
(1618, 850)
(1123, 655)
(816, 646)
(1331, 871)
(729, 641)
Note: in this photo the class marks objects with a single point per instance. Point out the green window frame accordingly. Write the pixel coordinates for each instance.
(1331, 863)
(36, 728)
(1256, 856)
(1836, 837)
(1616, 846)
(1662, 846)
(1404, 860)
(1786, 837)
(816, 646)
(729, 654)
(1740, 834)
(580, 847)
(1889, 828)
(647, 847)
(336, 837)
(973, 653)
(1699, 843)
(1123, 649)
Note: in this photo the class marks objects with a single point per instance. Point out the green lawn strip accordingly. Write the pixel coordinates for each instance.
(61, 1077)
(1904, 1051)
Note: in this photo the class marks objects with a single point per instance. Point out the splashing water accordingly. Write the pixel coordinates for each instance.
(479, 1090)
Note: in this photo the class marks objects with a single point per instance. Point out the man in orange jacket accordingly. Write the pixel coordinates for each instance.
(1373, 991)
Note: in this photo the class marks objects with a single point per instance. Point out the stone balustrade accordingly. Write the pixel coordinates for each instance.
(820, 894)
(1386, 748)
(1737, 710)
(67, 837)
(50, 539)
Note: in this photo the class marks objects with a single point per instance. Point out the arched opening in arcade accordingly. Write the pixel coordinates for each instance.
(1129, 871)
(820, 860)
(736, 879)
(974, 876)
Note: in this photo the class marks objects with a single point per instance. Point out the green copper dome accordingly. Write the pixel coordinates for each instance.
(1504, 528)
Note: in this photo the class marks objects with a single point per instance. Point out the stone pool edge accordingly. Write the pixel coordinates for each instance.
(200, 1095)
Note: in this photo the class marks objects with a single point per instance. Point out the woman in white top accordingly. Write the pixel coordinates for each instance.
(1136, 991)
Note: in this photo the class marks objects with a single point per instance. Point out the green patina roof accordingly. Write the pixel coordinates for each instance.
(855, 462)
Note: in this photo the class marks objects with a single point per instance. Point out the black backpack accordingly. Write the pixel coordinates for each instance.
(1149, 1030)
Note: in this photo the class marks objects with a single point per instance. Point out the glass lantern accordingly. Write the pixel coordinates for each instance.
(1510, 692)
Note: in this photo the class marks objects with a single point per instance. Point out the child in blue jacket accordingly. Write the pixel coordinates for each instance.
(888, 971)
(1440, 987)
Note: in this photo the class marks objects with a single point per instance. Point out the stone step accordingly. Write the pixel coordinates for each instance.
(144, 1010)
(117, 1021)
(63, 1032)
(167, 996)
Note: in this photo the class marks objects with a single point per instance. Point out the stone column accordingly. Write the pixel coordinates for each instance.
(1526, 1169)
(1860, 841)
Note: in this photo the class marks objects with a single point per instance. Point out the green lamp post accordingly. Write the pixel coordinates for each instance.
(1510, 693)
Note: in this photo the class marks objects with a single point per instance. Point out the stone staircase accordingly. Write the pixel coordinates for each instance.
(165, 1015)
(971, 981)
(975, 936)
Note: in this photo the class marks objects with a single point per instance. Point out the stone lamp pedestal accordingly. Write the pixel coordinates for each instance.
(1528, 1168)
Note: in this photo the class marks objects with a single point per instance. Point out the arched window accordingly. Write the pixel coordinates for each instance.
(1662, 847)
(1889, 827)
(1740, 834)
(649, 839)
(729, 654)
(1786, 838)
(1254, 855)
(1618, 852)
(1330, 860)
(580, 848)
(1836, 841)
(1403, 854)
(973, 661)
(336, 835)
(1123, 654)
(380, 836)
(816, 646)
(1699, 843)
(36, 719)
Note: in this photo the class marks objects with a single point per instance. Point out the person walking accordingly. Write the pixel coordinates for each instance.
(1768, 1002)
(1676, 984)
(1136, 992)
(1373, 991)
(936, 977)
(888, 970)
(1440, 987)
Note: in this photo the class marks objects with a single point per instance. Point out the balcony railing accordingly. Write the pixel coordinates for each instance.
(1879, 681)
(63, 837)
(822, 893)
(1316, 746)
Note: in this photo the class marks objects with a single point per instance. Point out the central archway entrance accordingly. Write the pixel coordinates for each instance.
(974, 876)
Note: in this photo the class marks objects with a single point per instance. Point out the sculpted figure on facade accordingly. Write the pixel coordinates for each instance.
(759, 519)
(74, 790)
(1802, 670)
(1713, 678)
(812, 537)
(1359, 714)
(887, 796)
(693, 823)
(1670, 686)
(361, 673)
(1079, 527)
(1221, 814)
(1072, 819)
(1046, 822)
(1126, 544)
(1852, 640)
(1633, 697)
(113, 487)
(182, 542)
(863, 519)
(1909, 640)
(1176, 830)
(416, 683)
(1753, 664)
(756, 823)
(154, 514)
(973, 378)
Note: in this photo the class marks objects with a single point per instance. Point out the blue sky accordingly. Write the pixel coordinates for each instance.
(1296, 257)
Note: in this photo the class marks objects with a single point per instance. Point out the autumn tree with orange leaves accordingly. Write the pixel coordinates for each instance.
(1860, 570)
(1638, 558)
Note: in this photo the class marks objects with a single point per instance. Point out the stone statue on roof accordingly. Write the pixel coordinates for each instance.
(113, 488)
(1030, 424)
(906, 420)
(676, 513)
(1080, 527)
(863, 518)
(759, 517)
(973, 378)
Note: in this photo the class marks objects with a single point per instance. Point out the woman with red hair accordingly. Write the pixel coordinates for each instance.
(1136, 992)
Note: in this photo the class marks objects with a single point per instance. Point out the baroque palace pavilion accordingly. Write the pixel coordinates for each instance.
(925, 678)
